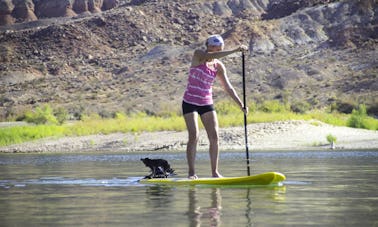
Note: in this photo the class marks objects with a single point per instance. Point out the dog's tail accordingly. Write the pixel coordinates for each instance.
(171, 172)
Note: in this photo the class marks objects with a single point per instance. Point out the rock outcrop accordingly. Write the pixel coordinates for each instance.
(282, 8)
(18, 11)
(54, 8)
(95, 5)
(6, 8)
(109, 4)
(24, 11)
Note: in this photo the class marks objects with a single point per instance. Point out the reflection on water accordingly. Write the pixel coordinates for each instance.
(209, 215)
(322, 189)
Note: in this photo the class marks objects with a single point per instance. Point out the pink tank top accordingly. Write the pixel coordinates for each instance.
(200, 82)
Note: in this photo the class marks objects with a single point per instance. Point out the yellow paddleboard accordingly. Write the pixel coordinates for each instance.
(268, 178)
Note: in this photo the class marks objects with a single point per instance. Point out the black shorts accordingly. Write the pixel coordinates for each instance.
(190, 108)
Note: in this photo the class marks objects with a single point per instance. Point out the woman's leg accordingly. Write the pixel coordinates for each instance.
(191, 120)
(210, 122)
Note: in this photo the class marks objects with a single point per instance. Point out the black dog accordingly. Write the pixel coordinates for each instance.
(160, 168)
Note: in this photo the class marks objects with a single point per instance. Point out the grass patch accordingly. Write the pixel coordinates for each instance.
(134, 123)
(229, 115)
(19, 134)
(90, 125)
(334, 118)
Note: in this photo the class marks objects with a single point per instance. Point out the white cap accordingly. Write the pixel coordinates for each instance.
(214, 40)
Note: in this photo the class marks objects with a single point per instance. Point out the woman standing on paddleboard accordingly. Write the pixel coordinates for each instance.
(198, 99)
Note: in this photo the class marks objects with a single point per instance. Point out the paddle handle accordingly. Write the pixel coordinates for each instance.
(245, 116)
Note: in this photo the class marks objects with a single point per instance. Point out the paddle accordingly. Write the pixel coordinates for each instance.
(245, 116)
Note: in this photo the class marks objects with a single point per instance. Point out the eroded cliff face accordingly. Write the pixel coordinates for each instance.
(18, 11)
(135, 56)
(24, 11)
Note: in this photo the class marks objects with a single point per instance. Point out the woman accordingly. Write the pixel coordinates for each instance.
(205, 67)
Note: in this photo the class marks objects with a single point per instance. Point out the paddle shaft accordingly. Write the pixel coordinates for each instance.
(245, 116)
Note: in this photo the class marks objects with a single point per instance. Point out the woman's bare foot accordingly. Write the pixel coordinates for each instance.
(193, 177)
(217, 175)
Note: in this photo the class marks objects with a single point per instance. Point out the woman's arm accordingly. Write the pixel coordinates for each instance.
(222, 75)
(201, 56)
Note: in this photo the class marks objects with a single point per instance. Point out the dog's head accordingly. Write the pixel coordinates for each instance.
(146, 161)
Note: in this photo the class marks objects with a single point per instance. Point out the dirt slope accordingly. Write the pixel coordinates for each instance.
(135, 56)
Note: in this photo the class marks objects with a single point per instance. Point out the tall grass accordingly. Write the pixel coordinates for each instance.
(228, 115)
(333, 118)
(121, 123)
(92, 125)
(18, 134)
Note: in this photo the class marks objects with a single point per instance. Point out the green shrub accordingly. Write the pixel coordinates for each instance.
(331, 138)
(345, 107)
(119, 116)
(90, 117)
(356, 120)
(41, 115)
(360, 119)
(373, 108)
(252, 107)
(105, 114)
(226, 107)
(272, 106)
(300, 107)
(61, 115)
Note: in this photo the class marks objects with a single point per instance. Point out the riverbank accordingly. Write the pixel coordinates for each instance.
(282, 135)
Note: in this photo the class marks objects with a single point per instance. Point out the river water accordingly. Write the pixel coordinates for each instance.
(323, 188)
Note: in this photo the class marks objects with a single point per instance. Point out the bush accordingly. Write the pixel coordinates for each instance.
(226, 107)
(41, 115)
(120, 116)
(273, 106)
(331, 138)
(357, 117)
(345, 107)
(360, 119)
(373, 109)
(300, 107)
(61, 115)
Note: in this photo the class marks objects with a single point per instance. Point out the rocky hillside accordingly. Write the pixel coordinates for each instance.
(135, 55)
(18, 11)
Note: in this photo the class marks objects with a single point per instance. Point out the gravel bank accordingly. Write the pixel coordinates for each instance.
(284, 135)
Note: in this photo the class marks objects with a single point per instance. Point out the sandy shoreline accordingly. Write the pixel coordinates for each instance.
(283, 135)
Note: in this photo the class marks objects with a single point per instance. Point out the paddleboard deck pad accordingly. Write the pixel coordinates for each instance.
(268, 178)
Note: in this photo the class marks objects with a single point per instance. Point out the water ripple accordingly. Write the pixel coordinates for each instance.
(114, 182)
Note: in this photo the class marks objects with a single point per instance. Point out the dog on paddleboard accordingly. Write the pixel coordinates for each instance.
(160, 168)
